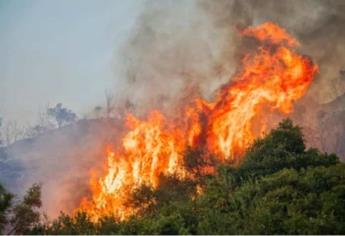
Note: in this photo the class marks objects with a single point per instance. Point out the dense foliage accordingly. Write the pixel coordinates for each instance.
(279, 188)
(5, 204)
(20, 217)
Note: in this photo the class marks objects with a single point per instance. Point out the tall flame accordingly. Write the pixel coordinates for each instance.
(273, 76)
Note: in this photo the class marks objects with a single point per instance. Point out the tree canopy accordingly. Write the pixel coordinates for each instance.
(61, 115)
(279, 188)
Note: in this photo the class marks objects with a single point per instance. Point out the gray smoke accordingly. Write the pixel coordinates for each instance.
(173, 51)
(177, 45)
(61, 160)
(318, 25)
(180, 49)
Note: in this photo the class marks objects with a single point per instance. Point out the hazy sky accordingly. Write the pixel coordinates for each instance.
(59, 51)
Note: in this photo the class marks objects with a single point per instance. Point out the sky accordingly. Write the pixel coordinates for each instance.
(60, 51)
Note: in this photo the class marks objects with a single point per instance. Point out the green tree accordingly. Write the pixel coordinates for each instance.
(5, 204)
(65, 224)
(146, 200)
(25, 215)
(62, 115)
(280, 188)
(282, 148)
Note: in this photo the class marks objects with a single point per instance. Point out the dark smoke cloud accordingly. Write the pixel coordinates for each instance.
(184, 47)
(318, 25)
(178, 45)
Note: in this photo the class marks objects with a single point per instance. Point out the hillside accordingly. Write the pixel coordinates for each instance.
(280, 188)
(60, 159)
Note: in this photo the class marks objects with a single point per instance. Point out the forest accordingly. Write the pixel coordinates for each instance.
(280, 187)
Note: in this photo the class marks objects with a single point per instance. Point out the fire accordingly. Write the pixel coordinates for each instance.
(149, 150)
(274, 76)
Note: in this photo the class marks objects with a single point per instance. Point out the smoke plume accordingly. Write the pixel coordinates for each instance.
(182, 49)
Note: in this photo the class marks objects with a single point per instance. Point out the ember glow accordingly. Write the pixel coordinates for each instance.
(272, 76)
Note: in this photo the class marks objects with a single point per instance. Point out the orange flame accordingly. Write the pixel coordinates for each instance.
(273, 76)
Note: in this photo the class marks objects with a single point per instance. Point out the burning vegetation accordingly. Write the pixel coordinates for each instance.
(271, 78)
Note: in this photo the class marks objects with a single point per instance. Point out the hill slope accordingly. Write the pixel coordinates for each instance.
(60, 159)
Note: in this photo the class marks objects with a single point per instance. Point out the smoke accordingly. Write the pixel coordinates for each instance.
(173, 51)
(61, 160)
(318, 25)
(179, 45)
(182, 49)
